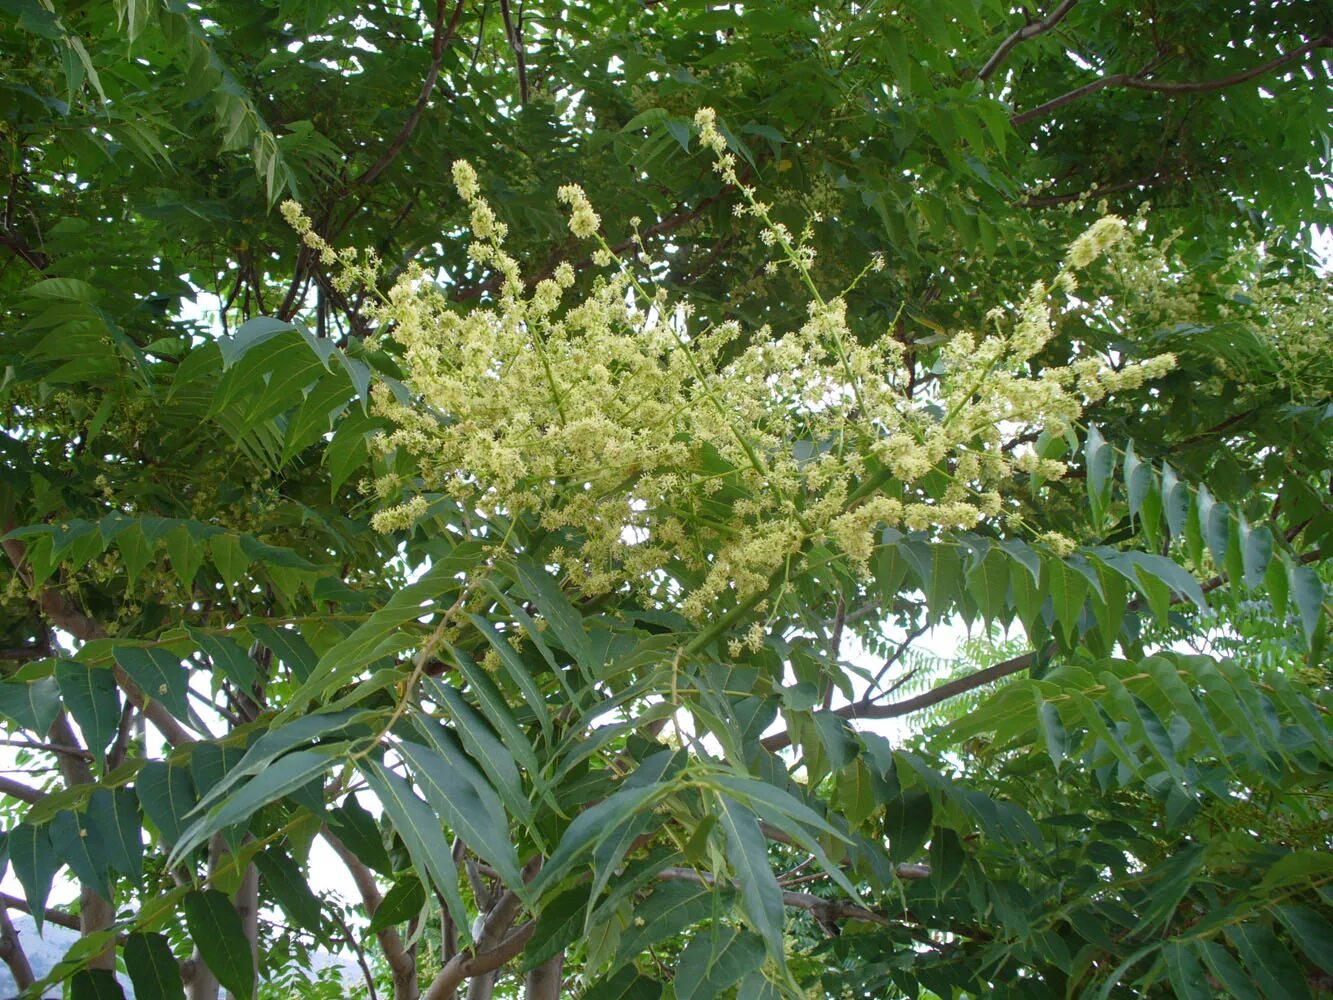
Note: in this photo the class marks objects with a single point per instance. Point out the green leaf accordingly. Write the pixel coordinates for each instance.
(1139, 480)
(1256, 550)
(1186, 975)
(97, 984)
(153, 969)
(669, 910)
(583, 834)
(470, 807)
(74, 842)
(228, 656)
(114, 816)
(159, 675)
(1312, 931)
(220, 937)
(559, 924)
(1214, 521)
(420, 831)
(627, 984)
(34, 705)
(289, 887)
(1227, 970)
(381, 632)
(1307, 593)
(274, 743)
(405, 899)
(356, 828)
(167, 796)
(497, 712)
(1176, 500)
(93, 699)
(566, 622)
(481, 743)
(748, 853)
(907, 821)
(1268, 961)
(518, 671)
(1100, 460)
(1052, 730)
(715, 960)
(288, 645)
(284, 776)
(35, 865)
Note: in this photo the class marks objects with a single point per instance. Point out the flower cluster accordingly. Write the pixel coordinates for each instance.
(699, 463)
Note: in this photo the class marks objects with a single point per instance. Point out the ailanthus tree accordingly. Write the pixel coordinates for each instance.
(522, 446)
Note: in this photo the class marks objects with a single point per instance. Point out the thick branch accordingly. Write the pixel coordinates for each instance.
(442, 38)
(18, 790)
(12, 953)
(465, 965)
(1138, 81)
(401, 963)
(58, 917)
(1030, 30)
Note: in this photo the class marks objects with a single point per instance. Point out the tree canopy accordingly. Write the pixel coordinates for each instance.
(530, 447)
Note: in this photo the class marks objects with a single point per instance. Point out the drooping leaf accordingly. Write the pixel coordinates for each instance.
(748, 854)
(152, 967)
(167, 796)
(35, 863)
(404, 901)
(468, 805)
(159, 675)
(33, 705)
(421, 832)
(218, 933)
(282, 875)
(93, 699)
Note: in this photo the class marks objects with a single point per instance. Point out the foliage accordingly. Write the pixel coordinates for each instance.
(511, 540)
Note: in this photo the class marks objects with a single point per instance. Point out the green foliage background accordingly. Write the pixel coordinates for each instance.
(207, 650)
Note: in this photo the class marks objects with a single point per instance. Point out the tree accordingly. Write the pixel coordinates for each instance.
(510, 535)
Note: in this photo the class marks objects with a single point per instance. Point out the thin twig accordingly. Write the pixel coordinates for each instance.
(442, 37)
(1030, 30)
(1140, 81)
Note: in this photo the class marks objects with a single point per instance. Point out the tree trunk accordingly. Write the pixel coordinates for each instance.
(247, 907)
(11, 951)
(95, 913)
(482, 987)
(203, 985)
(543, 982)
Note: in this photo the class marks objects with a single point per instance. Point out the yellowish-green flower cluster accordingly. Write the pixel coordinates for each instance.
(703, 461)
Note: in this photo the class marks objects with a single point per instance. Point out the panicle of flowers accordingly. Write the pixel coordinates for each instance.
(663, 449)
(583, 221)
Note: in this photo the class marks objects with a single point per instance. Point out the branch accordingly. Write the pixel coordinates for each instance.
(464, 965)
(64, 613)
(1138, 81)
(12, 953)
(516, 43)
(441, 41)
(493, 948)
(867, 709)
(825, 910)
(24, 654)
(401, 963)
(58, 917)
(18, 790)
(1030, 30)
